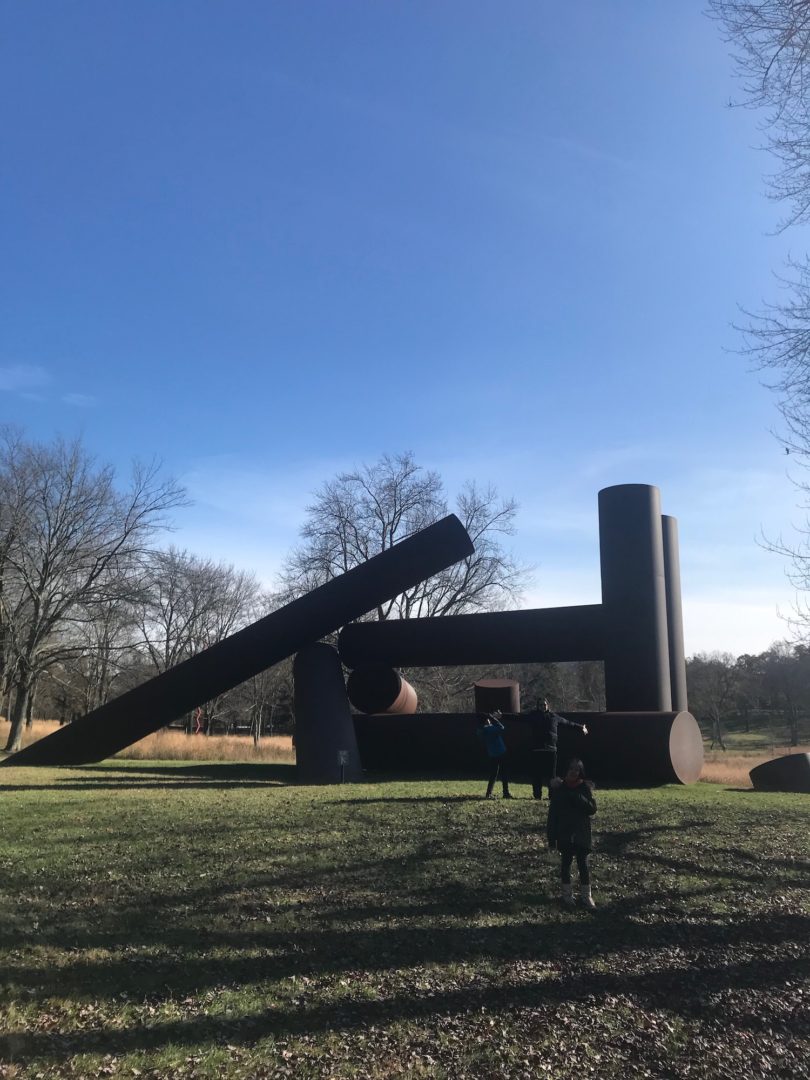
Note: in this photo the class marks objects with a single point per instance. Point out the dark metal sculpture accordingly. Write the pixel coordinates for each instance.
(647, 735)
(325, 744)
(381, 690)
(633, 630)
(492, 694)
(537, 635)
(152, 705)
(634, 606)
(791, 772)
(638, 749)
(672, 579)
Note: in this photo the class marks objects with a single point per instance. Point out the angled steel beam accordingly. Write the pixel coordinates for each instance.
(154, 704)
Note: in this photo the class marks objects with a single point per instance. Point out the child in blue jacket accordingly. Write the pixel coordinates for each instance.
(490, 730)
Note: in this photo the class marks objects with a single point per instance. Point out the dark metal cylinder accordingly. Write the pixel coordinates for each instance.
(672, 580)
(381, 689)
(791, 772)
(636, 749)
(631, 549)
(542, 635)
(632, 749)
(222, 666)
(491, 694)
(325, 744)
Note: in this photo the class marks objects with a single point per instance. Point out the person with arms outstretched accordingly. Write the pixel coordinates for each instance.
(543, 725)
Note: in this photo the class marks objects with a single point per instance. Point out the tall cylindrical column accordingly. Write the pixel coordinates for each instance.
(634, 604)
(325, 743)
(672, 579)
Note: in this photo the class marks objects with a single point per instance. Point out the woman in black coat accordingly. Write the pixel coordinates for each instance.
(571, 808)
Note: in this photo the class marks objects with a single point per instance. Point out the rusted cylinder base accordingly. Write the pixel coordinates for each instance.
(621, 749)
(380, 689)
(491, 694)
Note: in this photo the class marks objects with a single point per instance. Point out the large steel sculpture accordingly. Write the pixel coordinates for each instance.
(292, 628)
(646, 735)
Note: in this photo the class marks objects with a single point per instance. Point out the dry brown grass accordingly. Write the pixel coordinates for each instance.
(732, 769)
(177, 746)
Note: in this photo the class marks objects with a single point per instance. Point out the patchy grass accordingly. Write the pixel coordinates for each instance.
(173, 745)
(167, 921)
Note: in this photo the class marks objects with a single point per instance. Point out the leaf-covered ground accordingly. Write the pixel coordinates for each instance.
(175, 921)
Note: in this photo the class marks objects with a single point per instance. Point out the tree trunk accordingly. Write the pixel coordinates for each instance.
(18, 715)
(717, 733)
(29, 708)
(793, 721)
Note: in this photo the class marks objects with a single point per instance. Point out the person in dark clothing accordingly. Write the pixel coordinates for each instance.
(571, 808)
(490, 731)
(543, 725)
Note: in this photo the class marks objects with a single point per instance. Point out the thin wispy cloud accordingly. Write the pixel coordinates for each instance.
(23, 377)
(80, 401)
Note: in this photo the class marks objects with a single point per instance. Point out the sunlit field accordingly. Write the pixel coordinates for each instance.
(181, 921)
(732, 768)
(172, 745)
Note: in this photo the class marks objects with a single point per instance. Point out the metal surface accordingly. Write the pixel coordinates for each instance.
(672, 583)
(541, 635)
(791, 772)
(491, 694)
(325, 745)
(381, 689)
(152, 705)
(631, 553)
(632, 749)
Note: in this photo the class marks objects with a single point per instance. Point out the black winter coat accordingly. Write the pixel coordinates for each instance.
(569, 815)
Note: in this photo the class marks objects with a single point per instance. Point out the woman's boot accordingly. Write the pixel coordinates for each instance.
(585, 897)
(568, 895)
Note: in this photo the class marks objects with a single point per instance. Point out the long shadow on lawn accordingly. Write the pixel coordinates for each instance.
(188, 960)
(619, 845)
(183, 776)
(410, 799)
(687, 991)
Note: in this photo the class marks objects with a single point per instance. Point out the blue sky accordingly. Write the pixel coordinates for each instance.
(266, 241)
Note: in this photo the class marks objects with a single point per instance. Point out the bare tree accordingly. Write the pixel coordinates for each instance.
(362, 513)
(712, 679)
(786, 679)
(76, 540)
(771, 45)
(770, 40)
(188, 604)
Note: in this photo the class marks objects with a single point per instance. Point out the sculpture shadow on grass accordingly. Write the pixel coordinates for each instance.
(691, 994)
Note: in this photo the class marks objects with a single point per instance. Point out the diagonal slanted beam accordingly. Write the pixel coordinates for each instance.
(154, 704)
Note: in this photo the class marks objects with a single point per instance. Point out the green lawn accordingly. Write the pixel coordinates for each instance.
(199, 921)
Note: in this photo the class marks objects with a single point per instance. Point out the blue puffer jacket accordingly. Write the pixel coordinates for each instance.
(492, 734)
(569, 815)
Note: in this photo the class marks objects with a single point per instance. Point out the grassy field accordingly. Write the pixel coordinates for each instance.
(164, 920)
